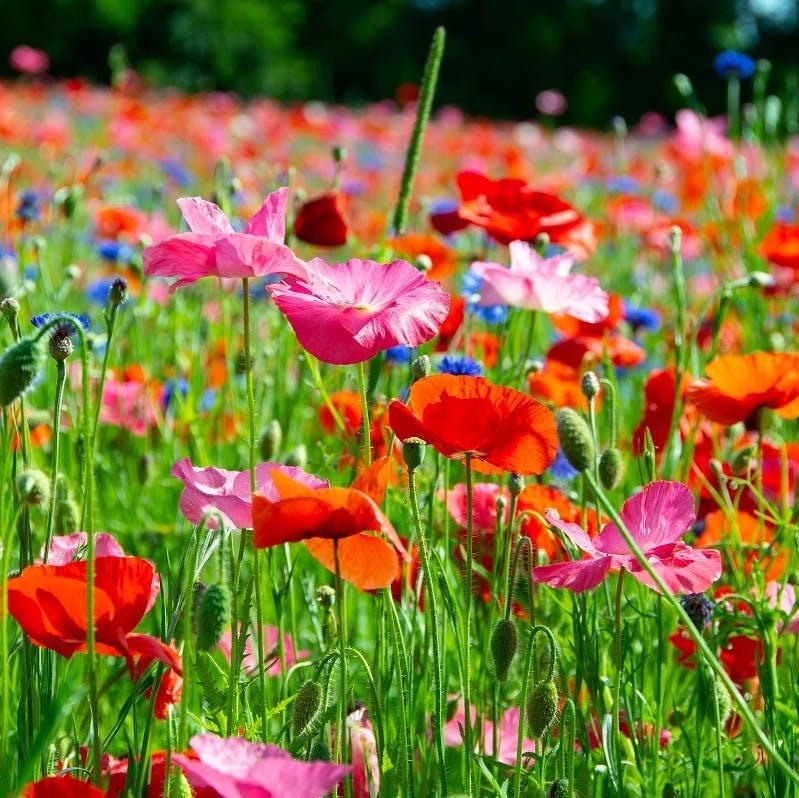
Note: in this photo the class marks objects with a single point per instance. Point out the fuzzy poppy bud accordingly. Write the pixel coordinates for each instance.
(413, 450)
(325, 596)
(589, 385)
(33, 486)
(307, 707)
(760, 280)
(297, 457)
(611, 468)
(118, 291)
(575, 439)
(504, 642)
(699, 608)
(271, 438)
(19, 366)
(320, 751)
(743, 459)
(211, 616)
(542, 707)
(10, 308)
(542, 241)
(67, 516)
(559, 789)
(420, 368)
(179, 786)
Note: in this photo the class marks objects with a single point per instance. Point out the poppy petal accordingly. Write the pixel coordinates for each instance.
(366, 561)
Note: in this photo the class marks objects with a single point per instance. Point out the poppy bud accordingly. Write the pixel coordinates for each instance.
(10, 308)
(559, 789)
(320, 751)
(590, 385)
(271, 439)
(67, 516)
(504, 642)
(339, 153)
(611, 468)
(297, 457)
(33, 486)
(420, 368)
(413, 450)
(320, 221)
(308, 706)
(325, 596)
(760, 280)
(541, 243)
(674, 238)
(542, 707)
(576, 440)
(19, 367)
(118, 291)
(423, 263)
(179, 787)
(515, 484)
(743, 459)
(211, 616)
(699, 608)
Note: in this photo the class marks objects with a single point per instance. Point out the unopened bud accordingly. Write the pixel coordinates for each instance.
(590, 385)
(211, 616)
(271, 438)
(420, 368)
(559, 789)
(542, 707)
(674, 237)
(504, 642)
(33, 486)
(611, 468)
(575, 439)
(423, 263)
(307, 707)
(10, 308)
(19, 366)
(297, 457)
(320, 751)
(761, 280)
(325, 596)
(118, 291)
(541, 243)
(515, 484)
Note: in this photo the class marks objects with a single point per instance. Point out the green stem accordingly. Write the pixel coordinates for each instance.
(367, 433)
(426, 94)
(109, 324)
(61, 377)
(617, 684)
(709, 657)
(467, 625)
(439, 712)
(528, 348)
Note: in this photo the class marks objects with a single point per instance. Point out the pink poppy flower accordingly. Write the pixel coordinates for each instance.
(29, 60)
(214, 248)
(250, 662)
(657, 518)
(365, 760)
(225, 495)
(484, 505)
(507, 734)
(347, 313)
(130, 404)
(66, 548)
(536, 283)
(236, 768)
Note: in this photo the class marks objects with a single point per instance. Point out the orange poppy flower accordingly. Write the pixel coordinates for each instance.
(112, 221)
(503, 429)
(444, 259)
(781, 245)
(572, 328)
(738, 385)
(560, 384)
(49, 603)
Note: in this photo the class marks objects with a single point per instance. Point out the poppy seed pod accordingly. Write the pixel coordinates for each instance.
(33, 486)
(413, 450)
(19, 366)
(515, 484)
(576, 439)
(611, 468)
(542, 707)
(211, 616)
(308, 705)
(559, 789)
(504, 642)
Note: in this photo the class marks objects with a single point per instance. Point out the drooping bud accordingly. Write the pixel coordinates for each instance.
(420, 368)
(589, 385)
(308, 705)
(413, 451)
(699, 608)
(297, 457)
(179, 786)
(504, 642)
(542, 707)
(611, 468)
(271, 438)
(576, 440)
(559, 789)
(19, 366)
(118, 291)
(211, 616)
(33, 486)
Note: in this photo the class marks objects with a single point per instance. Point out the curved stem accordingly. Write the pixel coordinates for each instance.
(61, 377)
(109, 323)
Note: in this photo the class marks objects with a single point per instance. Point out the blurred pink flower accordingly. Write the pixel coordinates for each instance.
(226, 496)
(347, 313)
(365, 760)
(64, 548)
(236, 768)
(29, 60)
(214, 248)
(657, 518)
(484, 504)
(536, 283)
(271, 659)
(551, 102)
(129, 404)
(507, 734)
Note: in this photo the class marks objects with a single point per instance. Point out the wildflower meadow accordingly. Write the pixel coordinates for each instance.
(391, 452)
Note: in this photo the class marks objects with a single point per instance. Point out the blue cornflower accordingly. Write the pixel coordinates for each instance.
(561, 469)
(664, 201)
(173, 386)
(116, 251)
(470, 290)
(97, 290)
(208, 399)
(28, 209)
(642, 318)
(459, 366)
(69, 324)
(622, 184)
(176, 172)
(398, 354)
(731, 64)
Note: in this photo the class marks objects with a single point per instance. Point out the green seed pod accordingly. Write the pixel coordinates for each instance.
(308, 705)
(542, 707)
(576, 439)
(504, 642)
(271, 438)
(33, 486)
(420, 368)
(515, 484)
(19, 366)
(320, 750)
(413, 450)
(211, 616)
(559, 789)
(611, 468)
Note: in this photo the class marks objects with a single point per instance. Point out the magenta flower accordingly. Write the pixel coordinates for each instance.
(365, 759)
(214, 248)
(657, 518)
(536, 283)
(346, 313)
(66, 548)
(507, 734)
(484, 505)
(236, 768)
(225, 495)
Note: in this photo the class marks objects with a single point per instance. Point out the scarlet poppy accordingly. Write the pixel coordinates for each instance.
(49, 603)
(502, 429)
(61, 787)
(781, 245)
(739, 385)
(320, 221)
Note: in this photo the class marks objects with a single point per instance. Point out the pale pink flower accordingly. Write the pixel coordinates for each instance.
(545, 284)
(236, 768)
(225, 496)
(347, 313)
(484, 505)
(129, 404)
(657, 518)
(66, 548)
(29, 60)
(214, 248)
(365, 760)
(271, 659)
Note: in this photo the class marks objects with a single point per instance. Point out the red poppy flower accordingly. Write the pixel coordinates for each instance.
(781, 245)
(559, 384)
(659, 394)
(61, 787)
(49, 603)
(508, 210)
(320, 221)
(503, 429)
(738, 385)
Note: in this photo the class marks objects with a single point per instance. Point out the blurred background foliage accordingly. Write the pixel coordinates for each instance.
(608, 57)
